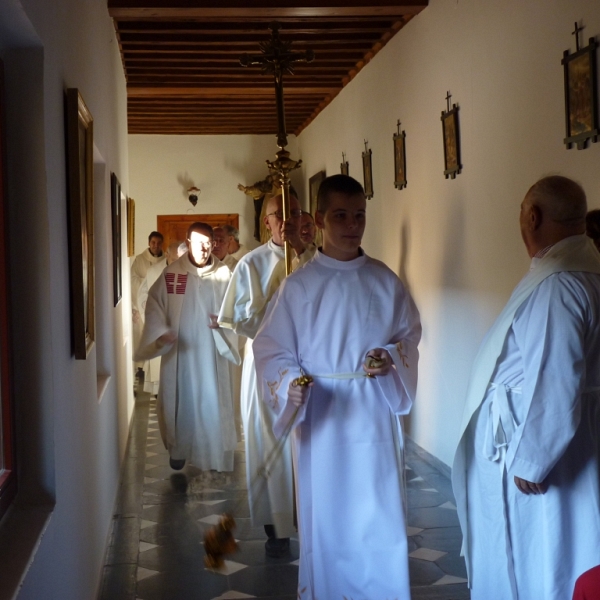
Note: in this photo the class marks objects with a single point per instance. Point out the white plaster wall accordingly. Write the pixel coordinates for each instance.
(164, 167)
(70, 442)
(456, 242)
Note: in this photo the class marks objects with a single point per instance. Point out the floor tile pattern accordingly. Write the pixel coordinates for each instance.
(155, 550)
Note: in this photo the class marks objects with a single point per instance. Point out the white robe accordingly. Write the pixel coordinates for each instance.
(139, 269)
(152, 366)
(241, 251)
(230, 261)
(195, 402)
(538, 419)
(255, 279)
(348, 439)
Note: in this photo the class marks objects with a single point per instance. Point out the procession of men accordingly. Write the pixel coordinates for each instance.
(325, 385)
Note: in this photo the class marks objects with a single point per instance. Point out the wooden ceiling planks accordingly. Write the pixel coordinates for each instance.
(181, 59)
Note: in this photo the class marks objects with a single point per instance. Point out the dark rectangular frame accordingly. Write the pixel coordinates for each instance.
(581, 100)
(400, 160)
(345, 167)
(313, 189)
(8, 474)
(130, 226)
(367, 173)
(451, 136)
(115, 205)
(80, 186)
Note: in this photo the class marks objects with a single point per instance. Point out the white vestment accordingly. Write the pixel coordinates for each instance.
(533, 411)
(348, 439)
(241, 251)
(152, 366)
(255, 279)
(230, 261)
(195, 401)
(139, 269)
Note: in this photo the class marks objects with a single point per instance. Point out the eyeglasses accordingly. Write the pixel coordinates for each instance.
(201, 244)
(279, 214)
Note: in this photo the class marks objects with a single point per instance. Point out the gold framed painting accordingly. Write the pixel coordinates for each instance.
(130, 226)
(400, 159)
(581, 96)
(313, 189)
(80, 191)
(115, 204)
(367, 172)
(452, 166)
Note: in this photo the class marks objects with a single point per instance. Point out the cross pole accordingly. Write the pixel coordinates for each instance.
(576, 34)
(277, 58)
(448, 96)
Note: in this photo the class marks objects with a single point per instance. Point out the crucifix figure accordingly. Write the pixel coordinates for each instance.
(277, 58)
(576, 34)
(398, 124)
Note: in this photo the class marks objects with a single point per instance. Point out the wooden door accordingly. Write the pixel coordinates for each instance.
(174, 227)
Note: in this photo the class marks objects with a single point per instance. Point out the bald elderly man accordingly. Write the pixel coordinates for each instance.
(255, 279)
(526, 474)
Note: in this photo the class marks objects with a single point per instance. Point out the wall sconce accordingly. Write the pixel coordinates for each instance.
(193, 194)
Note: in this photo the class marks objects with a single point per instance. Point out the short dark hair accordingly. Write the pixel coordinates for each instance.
(305, 212)
(342, 184)
(199, 226)
(156, 234)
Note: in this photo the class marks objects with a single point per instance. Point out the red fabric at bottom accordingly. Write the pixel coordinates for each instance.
(587, 586)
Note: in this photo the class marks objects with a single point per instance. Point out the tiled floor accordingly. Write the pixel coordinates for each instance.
(155, 551)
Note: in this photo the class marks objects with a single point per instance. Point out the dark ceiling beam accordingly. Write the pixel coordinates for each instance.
(267, 9)
(144, 91)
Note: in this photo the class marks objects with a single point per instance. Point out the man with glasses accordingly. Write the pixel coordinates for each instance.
(195, 397)
(255, 279)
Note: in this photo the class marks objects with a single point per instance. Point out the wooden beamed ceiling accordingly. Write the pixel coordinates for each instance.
(181, 59)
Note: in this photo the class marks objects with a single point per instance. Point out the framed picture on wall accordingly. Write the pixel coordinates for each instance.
(452, 166)
(313, 189)
(400, 159)
(80, 152)
(367, 172)
(344, 166)
(130, 226)
(115, 205)
(581, 95)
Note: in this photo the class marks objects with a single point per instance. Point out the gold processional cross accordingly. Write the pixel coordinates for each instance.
(277, 58)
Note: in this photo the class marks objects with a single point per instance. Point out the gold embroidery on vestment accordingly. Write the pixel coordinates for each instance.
(403, 357)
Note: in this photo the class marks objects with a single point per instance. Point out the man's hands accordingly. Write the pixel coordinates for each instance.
(378, 362)
(298, 394)
(290, 232)
(528, 487)
(213, 322)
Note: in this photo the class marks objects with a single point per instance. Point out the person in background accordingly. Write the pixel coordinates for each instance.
(220, 248)
(195, 397)
(152, 367)
(526, 474)
(236, 249)
(592, 226)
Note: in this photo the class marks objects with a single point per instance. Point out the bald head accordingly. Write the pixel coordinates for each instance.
(560, 199)
(554, 208)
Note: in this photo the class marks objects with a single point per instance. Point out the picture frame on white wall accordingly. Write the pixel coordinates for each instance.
(451, 137)
(367, 171)
(581, 95)
(400, 159)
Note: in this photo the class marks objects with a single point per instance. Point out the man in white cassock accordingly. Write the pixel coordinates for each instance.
(234, 248)
(526, 474)
(195, 400)
(152, 367)
(220, 248)
(255, 279)
(330, 320)
(152, 255)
